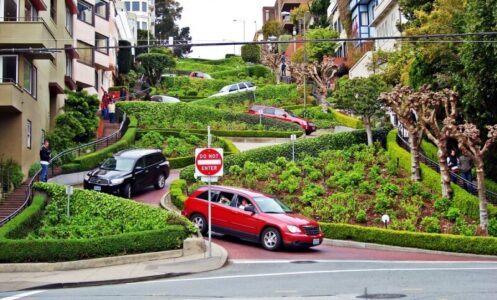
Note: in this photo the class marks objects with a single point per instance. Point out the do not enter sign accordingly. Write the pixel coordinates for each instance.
(209, 162)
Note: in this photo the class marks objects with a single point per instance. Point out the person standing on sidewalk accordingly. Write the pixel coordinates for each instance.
(44, 161)
(112, 111)
(453, 164)
(465, 165)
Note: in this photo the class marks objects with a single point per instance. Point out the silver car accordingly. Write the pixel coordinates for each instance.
(165, 99)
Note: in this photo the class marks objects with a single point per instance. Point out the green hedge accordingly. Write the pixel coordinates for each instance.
(430, 150)
(90, 161)
(235, 133)
(467, 203)
(25, 221)
(430, 241)
(177, 193)
(303, 148)
(346, 120)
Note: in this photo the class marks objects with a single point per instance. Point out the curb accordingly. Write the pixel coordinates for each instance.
(363, 245)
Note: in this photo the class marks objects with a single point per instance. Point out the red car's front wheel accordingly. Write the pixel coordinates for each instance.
(271, 239)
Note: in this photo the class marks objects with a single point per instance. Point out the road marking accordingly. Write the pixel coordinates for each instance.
(318, 272)
(19, 296)
(287, 261)
(285, 291)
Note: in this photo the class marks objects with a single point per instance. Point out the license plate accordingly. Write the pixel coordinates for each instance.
(315, 241)
(97, 188)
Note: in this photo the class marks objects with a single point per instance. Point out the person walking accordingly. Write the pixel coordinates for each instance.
(453, 164)
(44, 161)
(104, 105)
(112, 111)
(465, 165)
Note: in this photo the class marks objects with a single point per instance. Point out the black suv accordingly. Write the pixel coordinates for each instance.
(129, 170)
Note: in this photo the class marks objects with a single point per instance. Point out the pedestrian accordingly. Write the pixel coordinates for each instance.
(465, 165)
(104, 105)
(44, 161)
(123, 94)
(453, 164)
(112, 111)
(283, 65)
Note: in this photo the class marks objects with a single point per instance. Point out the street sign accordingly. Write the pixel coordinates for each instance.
(209, 162)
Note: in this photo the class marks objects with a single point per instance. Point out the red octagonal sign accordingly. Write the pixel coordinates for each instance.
(209, 162)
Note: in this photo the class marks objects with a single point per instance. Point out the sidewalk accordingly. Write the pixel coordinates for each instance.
(130, 272)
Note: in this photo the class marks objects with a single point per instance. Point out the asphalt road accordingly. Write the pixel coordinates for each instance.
(333, 279)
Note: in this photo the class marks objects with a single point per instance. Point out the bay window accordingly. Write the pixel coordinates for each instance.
(8, 68)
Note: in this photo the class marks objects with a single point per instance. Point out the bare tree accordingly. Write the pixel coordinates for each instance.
(401, 101)
(321, 73)
(271, 58)
(470, 143)
(430, 103)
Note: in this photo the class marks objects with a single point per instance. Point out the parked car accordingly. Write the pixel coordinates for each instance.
(202, 75)
(251, 216)
(128, 171)
(164, 99)
(283, 115)
(235, 88)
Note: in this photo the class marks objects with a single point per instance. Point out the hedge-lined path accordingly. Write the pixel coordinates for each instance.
(13, 200)
(109, 128)
(240, 250)
(151, 196)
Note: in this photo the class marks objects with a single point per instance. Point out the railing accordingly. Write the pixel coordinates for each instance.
(69, 154)
(469, 186)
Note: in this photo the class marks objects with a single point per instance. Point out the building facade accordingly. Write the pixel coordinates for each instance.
(281, 12)
(144, 10)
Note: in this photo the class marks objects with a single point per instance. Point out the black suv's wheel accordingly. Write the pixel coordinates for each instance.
(200, 222)
(127, 191)
(271, 239)
(161, 182)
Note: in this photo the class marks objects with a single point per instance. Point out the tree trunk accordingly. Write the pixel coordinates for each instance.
(444, 172)
(369, 132)
(480, 176)
(414, 140)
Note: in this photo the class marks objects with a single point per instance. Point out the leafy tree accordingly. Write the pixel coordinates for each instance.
(298, 13)
(272, 28)
(409, 7)
(316, 51)
(319, 10)
(271, 58)
(182, 39)
(251, 53)
(361, 96)
(155, 63)
(282, 47)
(143, 38)
(167, 12)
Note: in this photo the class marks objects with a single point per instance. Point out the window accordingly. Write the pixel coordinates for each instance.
(96, 81)
(68, 21)
(364, 18)
(102, 43)
(85, 12)
(233, 88)
(53, 10)
(136, 6)
(30, 12)
(205, 196)
(9, 9)
(85, 52)
(128, 8)
(29, 78)
(225, 198)
(269, 110)
(144, 26)
(8, 68)
(28, 134)
(102, 9)
(68, 66)
(144, 6)
(242, 86)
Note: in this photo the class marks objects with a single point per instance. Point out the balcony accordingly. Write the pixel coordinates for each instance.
(84, 75)
(11, 97)
(383, 8)
(28, 34)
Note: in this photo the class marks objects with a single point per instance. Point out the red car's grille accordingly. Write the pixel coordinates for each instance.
(311, 230)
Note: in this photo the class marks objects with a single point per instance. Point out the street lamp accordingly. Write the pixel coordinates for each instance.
(243, 21)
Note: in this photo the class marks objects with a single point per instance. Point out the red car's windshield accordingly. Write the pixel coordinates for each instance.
(271, 206)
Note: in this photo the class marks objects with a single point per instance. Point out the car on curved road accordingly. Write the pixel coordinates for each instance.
(128, 171)
(164, 99)
(235, 88)
(202, 75)
(251, 216)
(282, 115)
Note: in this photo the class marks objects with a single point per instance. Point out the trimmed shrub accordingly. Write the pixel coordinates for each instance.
(251, 53)
(346, 120)
(430, 241)
(303, 148)
(34, 168)
(11, 173)
(178, 193)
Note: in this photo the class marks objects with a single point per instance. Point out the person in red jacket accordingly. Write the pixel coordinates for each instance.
(104, 105)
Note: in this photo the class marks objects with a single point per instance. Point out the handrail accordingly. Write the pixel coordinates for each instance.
(29, 192)
(469, 186)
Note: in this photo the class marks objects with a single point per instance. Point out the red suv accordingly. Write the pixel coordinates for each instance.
(283, 115)
(251, 216)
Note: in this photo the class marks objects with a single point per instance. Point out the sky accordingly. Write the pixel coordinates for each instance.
(212, 21)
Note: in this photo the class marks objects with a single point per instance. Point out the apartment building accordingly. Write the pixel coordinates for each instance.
(144, 12)
(32, 82)
(281, 12)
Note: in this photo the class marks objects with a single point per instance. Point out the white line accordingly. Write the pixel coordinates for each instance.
(19, 296)
(208, 162)
(303, 261)
(320, 272)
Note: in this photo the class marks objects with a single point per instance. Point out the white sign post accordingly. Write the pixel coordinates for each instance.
(260, 116)
(209, 166)
(293, 138)
(69, 192)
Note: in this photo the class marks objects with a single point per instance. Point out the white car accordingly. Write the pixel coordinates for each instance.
(165, 99)
(235, 88)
